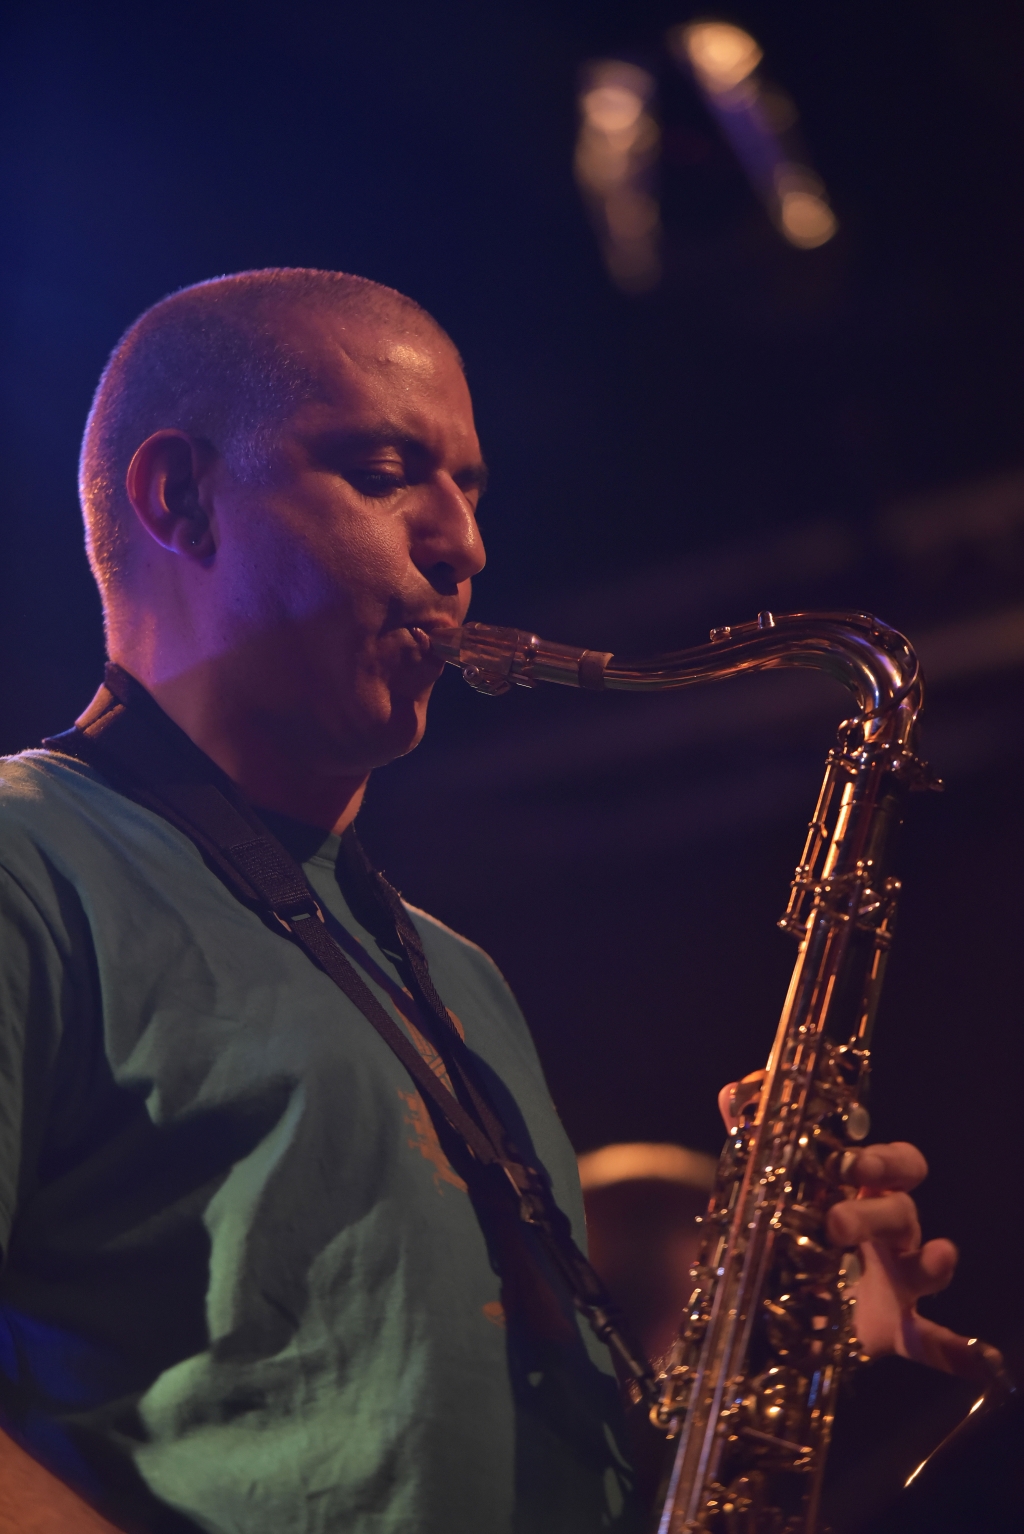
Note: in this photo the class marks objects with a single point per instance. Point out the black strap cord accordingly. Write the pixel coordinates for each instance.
(131, 741)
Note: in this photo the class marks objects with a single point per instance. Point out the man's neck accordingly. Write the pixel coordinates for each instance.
(268, 765)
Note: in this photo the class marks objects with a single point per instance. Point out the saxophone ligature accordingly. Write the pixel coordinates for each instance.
(748, 1391)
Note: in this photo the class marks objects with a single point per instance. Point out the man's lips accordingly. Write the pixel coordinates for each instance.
(421, 633)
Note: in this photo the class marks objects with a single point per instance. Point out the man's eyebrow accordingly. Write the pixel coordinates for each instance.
(329, 444)
(473, 477)
(359, 439)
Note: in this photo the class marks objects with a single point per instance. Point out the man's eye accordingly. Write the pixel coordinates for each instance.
(375, 482)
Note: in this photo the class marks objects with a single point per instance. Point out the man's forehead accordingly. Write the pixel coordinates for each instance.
(344, 344)
(381, 382)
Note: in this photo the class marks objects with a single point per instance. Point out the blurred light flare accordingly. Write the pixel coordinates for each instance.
(720, 54)
(615, 156)
(755, 118)
(807, 220)
(612, 109)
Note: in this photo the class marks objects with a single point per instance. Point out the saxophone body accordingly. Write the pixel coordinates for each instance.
(747, 1394)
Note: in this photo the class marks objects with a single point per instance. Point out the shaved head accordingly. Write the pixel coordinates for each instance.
(280, 478)
(219, 361)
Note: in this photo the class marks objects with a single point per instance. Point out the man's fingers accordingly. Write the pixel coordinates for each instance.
(928, 1270)
(733, 1098)
(891, 1167)
(891, 1219)
(929, 1343)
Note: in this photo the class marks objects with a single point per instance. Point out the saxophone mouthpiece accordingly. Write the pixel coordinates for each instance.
(484, 654)
(446, 643)
(494, 659)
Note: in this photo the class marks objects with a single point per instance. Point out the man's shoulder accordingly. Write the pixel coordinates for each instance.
(437, 935)
(36, 786)
(24, 777)
(482, 1001)
(61, 818)
(447, 948)
(45, 803)
(40, 790)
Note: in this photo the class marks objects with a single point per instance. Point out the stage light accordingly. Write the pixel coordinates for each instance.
(613, 108)
(807, 220)
(631, 215)
(804, 215)
(757, 120)
(722, 55)
(615, 155)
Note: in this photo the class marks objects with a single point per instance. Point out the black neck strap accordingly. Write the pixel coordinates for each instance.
(128, 738)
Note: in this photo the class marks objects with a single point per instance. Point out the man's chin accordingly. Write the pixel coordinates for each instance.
(385, 740)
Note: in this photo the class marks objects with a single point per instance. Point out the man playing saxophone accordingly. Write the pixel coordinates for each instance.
(253, 1278)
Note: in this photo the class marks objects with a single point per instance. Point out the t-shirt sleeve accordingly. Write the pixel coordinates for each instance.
(31, 982)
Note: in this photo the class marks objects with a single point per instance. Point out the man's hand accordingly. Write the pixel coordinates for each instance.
(881, 1222)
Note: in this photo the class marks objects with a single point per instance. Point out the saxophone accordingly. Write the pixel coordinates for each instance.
(749, 1389)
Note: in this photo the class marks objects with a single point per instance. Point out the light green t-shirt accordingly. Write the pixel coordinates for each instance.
(245, 1289)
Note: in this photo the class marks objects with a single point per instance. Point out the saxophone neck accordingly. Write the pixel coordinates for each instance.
(875, 662)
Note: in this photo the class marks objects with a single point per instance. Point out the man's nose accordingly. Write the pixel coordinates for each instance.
(445, 539)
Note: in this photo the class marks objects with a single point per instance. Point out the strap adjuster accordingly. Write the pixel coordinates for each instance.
(299, 910)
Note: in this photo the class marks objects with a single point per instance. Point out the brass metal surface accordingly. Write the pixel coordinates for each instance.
(748, 1391)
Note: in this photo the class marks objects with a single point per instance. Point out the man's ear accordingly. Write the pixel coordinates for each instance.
(163, 484)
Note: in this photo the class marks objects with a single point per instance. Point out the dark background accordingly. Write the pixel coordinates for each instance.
(769, 428)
